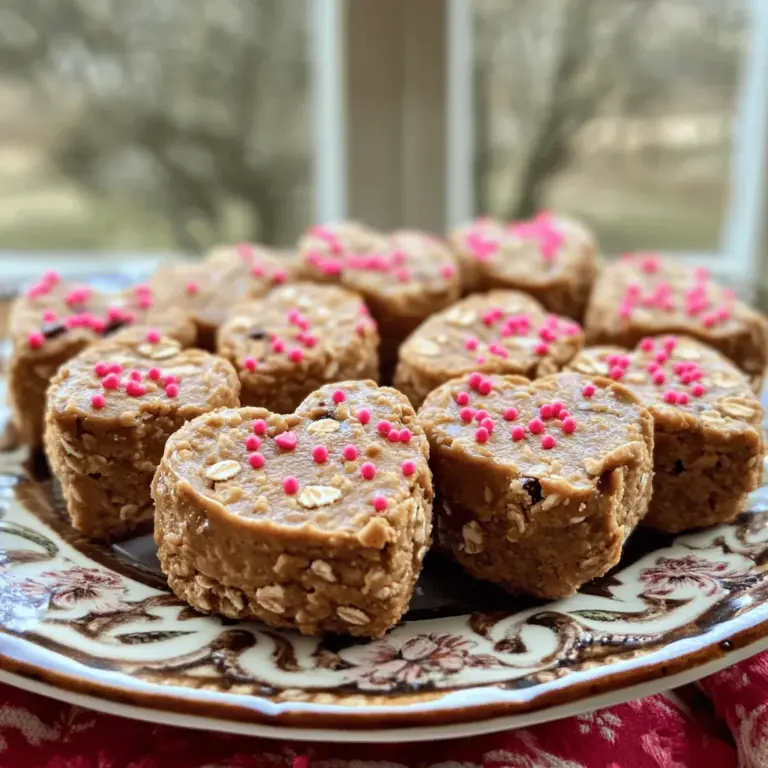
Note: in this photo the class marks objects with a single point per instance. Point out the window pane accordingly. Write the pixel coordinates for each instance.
(620, 111)
(153, 123)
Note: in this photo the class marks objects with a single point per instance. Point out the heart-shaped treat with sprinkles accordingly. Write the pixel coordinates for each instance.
(54, 320)
(541, 482)
(404, 276)
(110, 410)
(297, 338)
(497, 332)
(551, 257)
(317, 520)
(708, 452)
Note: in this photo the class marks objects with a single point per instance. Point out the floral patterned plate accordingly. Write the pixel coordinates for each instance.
(97, 626)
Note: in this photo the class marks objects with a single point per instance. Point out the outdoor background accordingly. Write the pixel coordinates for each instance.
(173, 124)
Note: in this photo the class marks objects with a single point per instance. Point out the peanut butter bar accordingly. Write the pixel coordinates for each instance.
(644, 295)
(404, 276)
(207, 290)
(109, 413)
(708, 437)
(496, 332)
(55, 320)
(541, 482)
(554, 258)
(296, 339)
(318, 520)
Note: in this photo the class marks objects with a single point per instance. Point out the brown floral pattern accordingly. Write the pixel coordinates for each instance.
(672, 576)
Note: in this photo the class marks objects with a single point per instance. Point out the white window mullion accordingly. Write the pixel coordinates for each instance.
(329, 114)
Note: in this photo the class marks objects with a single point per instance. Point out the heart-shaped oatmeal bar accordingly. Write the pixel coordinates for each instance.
(497, 332)
(317, 520)
(109, 412)
(708, 443)
(540, 482)
(297, 338)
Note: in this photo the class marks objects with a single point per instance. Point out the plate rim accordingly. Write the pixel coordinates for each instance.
(361, 724)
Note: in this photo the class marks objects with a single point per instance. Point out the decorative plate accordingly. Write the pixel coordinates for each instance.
(96, 625)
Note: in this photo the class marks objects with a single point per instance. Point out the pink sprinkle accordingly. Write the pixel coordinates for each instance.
(466, 415)
(661, 357)
(350, 452)
(670, 343)
(682, 398)
(135, 375)
(546, 411)
(339, 396)
(569, 425)
(36, 339)
(383, 428)
(134, 388)
(652, 367)
(564, 414)
(670, 396)
(259, 427)
(697, 390)
(49, 316)
(379, 503)
(308, 340)
(172, 390)
(154, 374)
(115, 367)
(192, 288)
(368, 471)
(287, 441)
(541, 348)
(296, 355)
(408, 467)
(169, 379)
(250, 364)
(650, 264)
(658, 378)
(471, 344)
(393, 436)
(517, 433)
(557, 406)
(616, 373)
(709, 319)
(536, 426)
(404, 436)
(278, 346)
(588, 390)
(462, 398)
(402, 275)
(290, 484)
(625, 311)
(646, 344)
(98, 401)
(548, 442)
(256, 460)
(111, 381)
(510, 414)
(485, 387)
(279, 276)
(475, 379)
(480, 415)
(447, 271)
(51, 278)
(101, 369)
(482, 435)
(547, 334)
(363, 416)
(320, 454)
(252, 443)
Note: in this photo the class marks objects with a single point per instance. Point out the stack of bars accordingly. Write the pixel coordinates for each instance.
(235, 405)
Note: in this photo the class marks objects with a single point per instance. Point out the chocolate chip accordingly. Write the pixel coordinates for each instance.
(533, 488)
(54, 329)
(113, 327)
(323, 413)
(679, 467)
(257, 333)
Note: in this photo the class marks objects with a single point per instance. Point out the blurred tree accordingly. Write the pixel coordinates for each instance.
(545, 70)
(200, 109)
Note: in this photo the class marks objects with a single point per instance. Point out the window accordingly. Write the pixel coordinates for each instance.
(619, 111)
(154, 124)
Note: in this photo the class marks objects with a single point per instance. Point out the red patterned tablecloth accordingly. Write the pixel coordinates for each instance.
(721, 723)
